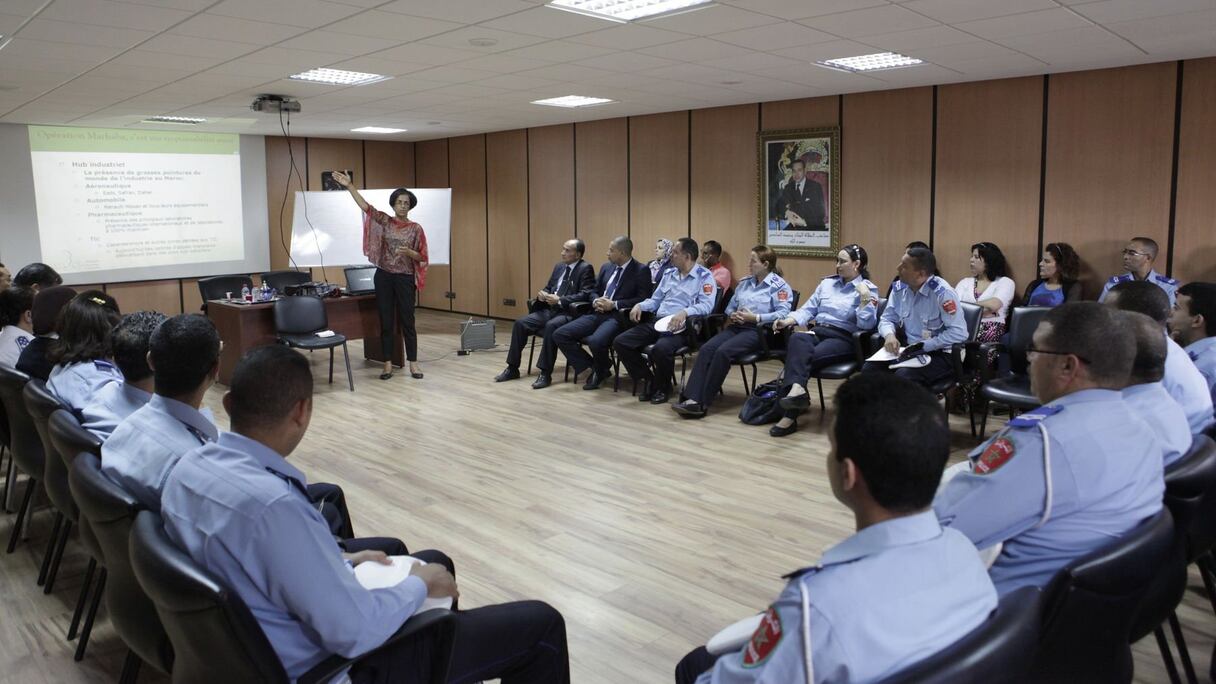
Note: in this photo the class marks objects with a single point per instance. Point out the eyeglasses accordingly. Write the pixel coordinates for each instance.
(1132, 252)
(1031, 350)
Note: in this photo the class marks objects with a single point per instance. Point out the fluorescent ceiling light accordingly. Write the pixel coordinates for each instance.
(180, 120)
(627, 10)
(875, 62)
(572, 101)
(377, 129)
(339, 77)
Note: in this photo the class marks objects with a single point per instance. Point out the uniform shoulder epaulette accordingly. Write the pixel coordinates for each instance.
(829, 277)
(775, 280)
(1033, 418)
(935, 283)
(1166, 279)
(103, 365)
(1118, 278)
(898, 285)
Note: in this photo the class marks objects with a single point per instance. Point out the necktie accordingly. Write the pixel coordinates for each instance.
(564, 288)
(613, 282)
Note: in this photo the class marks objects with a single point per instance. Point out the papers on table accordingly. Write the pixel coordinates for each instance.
(373, 575)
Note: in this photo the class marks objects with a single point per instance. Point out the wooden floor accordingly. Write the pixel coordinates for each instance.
(648, 532)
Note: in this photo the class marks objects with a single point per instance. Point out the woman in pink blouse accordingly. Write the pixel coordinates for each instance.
(396, 246)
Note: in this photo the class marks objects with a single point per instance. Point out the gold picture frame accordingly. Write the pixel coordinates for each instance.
(798, 215)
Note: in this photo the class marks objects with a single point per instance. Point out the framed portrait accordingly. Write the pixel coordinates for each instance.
(799, 175)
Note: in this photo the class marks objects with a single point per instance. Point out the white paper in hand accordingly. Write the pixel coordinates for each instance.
(664, 323)
(883, 355)
(732, 638)
(373, 575)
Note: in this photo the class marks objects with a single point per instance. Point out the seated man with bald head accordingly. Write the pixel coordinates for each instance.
(1145, 394)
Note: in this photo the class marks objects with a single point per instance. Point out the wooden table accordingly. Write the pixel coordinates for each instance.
(245, 326)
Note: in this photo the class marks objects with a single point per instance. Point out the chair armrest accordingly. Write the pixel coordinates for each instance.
(860, 346)
(579, 308)
(443, 622)
(532, 305)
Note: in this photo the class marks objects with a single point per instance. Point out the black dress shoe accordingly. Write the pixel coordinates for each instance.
(508, 373)
(800, 402)
(416, 376)
(689, 409)
(594, 381)
(542, 381)
(659, 397)
(645, 393)
(783, 431)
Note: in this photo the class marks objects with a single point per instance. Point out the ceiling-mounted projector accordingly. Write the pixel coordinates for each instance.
(273, 104)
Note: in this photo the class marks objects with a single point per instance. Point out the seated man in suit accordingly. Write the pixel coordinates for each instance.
(241, 511)
(622, 282)
(899, 589)
(802, 200)
(573, 280)
(688, 289)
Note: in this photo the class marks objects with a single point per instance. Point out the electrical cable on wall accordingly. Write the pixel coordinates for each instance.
(304, 195)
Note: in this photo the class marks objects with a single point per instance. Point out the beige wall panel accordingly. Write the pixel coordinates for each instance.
(658, 179)
(1195, 220)
(388, 163)
(433, 173)
(333, 154)
(1109, 154)
(550, 198)
(468, 177)
(724, 184)
(602, 175)
(887, 143)
(154, 295)
(507, 202)
(989, 140)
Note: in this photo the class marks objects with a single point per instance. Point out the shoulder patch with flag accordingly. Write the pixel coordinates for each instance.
(949, 306)
(996, 455)
(782, 295)
(707, 288)
(764, 640)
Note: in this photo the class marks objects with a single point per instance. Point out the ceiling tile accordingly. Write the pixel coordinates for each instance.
(187, 5)
(775, 36)
(166, 60)
(116, 14)
(559, 51)
(425, 54)
(115, 69)
(338, 42)
(628, 37)
(906, 41)
(957, 11)
(231, 28)
(81, 54)
(869, 22)
(83, 34)
(401, 85)
(460, 39)
(1073, 47)
(463, 11)
(452, 74)
(1024, 24)
(801, 9)
(516, 81)
(1111, 11)
(832, 50)
(548, 22)
(1157, 32)
(696, 50)
(756, 63)
(306, 13)
(626, 61)
(1012, 64)
(712, 19)
(376, 65)
(566, 72)
(695, 73)
(387, 25)
(951, 55)
(503, 64)
(197, 47)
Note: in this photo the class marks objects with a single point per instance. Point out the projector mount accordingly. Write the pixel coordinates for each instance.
(274, 104)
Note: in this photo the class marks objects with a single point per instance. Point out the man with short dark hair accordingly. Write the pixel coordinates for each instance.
(1193, 326)
(1145, 394)
(1071, 475)
(240, 510)
(1138, 258)
(573, 280)
(688, 289)
(115, 401)
(37, 276)
(711, 258)
(848, 618)
(1182, 379)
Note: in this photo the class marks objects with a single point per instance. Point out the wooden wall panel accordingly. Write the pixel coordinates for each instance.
(1195, 219)
(282, 183)
(507, 204)
(724, 185)
(989, 140)
(388, 164)
(602, 183)
(192, 301)
(333, 154)
(432, 172)
(804, 273)
(164, 296)
(658, 180)
(468, 177)
(1109, 156)
(550, 198)
(887, 140)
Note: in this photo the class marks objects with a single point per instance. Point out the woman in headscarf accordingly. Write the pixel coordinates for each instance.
(662, 259)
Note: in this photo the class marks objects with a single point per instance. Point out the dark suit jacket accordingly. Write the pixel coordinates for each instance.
(808, 204)
(635, 284)
(581, 290)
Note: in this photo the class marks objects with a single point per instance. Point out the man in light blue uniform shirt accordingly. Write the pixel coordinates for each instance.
(242, 512)
(1193, 325)
(1182, 380)
(1138, 258)
(927, 311)
(687, 289)
(899, 590)
(1146, 396)
(117, 400)
(1071, 476)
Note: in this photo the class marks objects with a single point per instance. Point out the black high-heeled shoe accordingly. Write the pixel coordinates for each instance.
(776, 431)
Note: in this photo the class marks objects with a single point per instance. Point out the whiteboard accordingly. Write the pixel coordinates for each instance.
(327, 226)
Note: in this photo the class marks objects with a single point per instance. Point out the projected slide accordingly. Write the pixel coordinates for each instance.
(116, 199)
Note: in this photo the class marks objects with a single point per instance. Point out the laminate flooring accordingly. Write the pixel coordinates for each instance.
(648, 532)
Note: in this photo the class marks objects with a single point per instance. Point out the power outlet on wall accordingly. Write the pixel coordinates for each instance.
(508, 302)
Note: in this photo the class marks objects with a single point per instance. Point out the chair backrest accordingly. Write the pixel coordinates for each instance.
(41, 403)
(1089, 606)
(1192, 480)
(1022, 323)
(300, 315)
(998, 651)
(111, 511)
(279, 280)
(68, 440)
(24, 442)
(722, 298)
(215, 637)
(972, 313)
(218, 287)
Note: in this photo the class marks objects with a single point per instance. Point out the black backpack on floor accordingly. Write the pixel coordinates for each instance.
(761, 408)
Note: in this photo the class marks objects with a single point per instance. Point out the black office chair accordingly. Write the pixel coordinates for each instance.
(1089, 606)
(772, 349)
(111, 511)
(281, 280)
(215, 637)
(298, 319)
(11, 469)
(219, 287)
(1013, 391)
(863, 341)
(41, 403)
(26, 446)
(997, 652)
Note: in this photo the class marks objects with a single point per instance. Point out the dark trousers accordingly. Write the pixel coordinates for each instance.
(544, 321)
(693, 665)
(396, 292)
(520, 643)
(331, 501)
(807, 353)
(939, 367)
(629, 345)
(714, 360)
(596, 331)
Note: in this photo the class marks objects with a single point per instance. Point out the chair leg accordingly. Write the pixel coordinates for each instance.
(130, 669)
(350, 378)
(7, 477)
(331, 365)
(50, 549)
(30, 484)
(616, 374)
(743, 374)
(531, 354)
(84, 598)
(63, 542)
(1166, 656)
(87, 629)
(984, 419)
(823, 407)
(1183, 653)
(10, 484)
(1205, 571)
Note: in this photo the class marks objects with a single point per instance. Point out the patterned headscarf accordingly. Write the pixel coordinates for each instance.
(657, 266)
